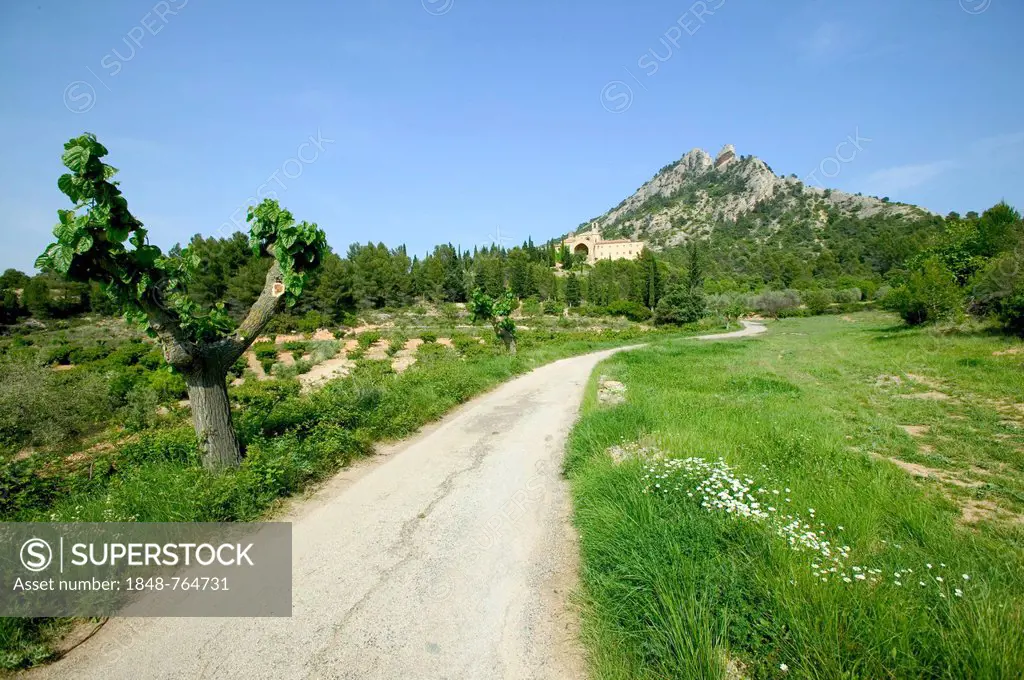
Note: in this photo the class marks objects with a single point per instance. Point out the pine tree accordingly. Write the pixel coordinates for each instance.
(572, 291)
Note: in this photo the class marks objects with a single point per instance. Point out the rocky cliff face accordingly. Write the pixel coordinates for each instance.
(690, 197)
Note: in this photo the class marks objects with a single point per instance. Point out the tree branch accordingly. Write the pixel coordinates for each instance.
(178, 351)
(269, 303)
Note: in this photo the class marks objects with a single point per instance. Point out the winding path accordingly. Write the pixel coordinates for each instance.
(750, 328)
(449, 555)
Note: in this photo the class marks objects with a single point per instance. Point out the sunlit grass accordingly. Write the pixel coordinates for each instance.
(677, 585)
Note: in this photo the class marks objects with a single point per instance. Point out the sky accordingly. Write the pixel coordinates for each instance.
(420, 122)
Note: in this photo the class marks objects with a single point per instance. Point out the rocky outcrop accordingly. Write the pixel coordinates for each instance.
(690, 197)
(725, 157)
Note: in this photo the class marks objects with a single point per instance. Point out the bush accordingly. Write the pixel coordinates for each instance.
(532, 306)
(930, 294)
(776, 303)
(59, 355)
(85, 355)
(817, 301)
(265, 350)
(167, 386)
(848, 295)
(634, 311)
(552, 307)
(297, 348)
(139, 412)
(368, 338)
(311, 322)
(680, 306)
(428, 337)
(450, 312)
(323, 350)
(128, 354)
(999, 290)
(41, 407)
(1010, 312)
(266, 353)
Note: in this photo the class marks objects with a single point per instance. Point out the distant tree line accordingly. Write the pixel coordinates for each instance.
(806, 264)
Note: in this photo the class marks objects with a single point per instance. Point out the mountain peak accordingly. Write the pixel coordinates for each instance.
(725, 157)
(692, 196)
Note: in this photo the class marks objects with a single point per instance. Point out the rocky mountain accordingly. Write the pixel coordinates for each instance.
(696, 194)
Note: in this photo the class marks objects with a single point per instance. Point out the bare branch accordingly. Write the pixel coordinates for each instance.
(269, 303)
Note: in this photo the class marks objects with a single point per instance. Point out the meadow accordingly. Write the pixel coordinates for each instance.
(839, 498)
(96, 431)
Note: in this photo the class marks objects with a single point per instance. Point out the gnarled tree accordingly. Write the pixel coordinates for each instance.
(100, 240)
(499, 313)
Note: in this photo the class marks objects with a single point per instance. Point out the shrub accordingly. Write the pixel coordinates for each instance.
(552, 307)
(266, 353)
(85, 355)
(531, 306)
(395, 343)
(634, 311)
(999, 290)
(167, 386)
(368, 338)
(59, 355)
(311, 322)
(680, 306)
(930, 294)
(323, 350)
(41, 407)
(139, 412)
(297, 348)
(428, 337)
(265, 350)
(1010, 312)
(817, 301)
(848, 295)
(776, 302)
(128, 354)
(450, 312)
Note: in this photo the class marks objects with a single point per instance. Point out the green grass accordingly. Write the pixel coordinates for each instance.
(671, 589)
(292, 441)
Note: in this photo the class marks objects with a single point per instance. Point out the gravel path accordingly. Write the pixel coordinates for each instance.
(450, 555)
(750, 328)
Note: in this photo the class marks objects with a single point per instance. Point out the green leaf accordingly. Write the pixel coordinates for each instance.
(138, 238)
(146, 256)
(66, 184)
(84, 244)
(75, 158)
(117, 234)
(61, 257)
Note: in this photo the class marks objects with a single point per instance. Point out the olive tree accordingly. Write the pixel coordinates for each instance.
(100, 241)
(499, 313)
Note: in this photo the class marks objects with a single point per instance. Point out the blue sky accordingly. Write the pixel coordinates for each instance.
(449, 120)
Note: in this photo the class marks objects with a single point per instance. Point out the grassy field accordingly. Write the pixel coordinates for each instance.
(840, 498)
(293, 440)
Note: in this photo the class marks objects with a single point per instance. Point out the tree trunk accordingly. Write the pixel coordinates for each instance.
(509, 340)
(211, 415)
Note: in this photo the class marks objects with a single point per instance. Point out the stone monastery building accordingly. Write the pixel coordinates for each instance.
(595, 248)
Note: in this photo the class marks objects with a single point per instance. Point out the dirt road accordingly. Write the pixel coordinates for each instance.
(450, 556)
(750, 328)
